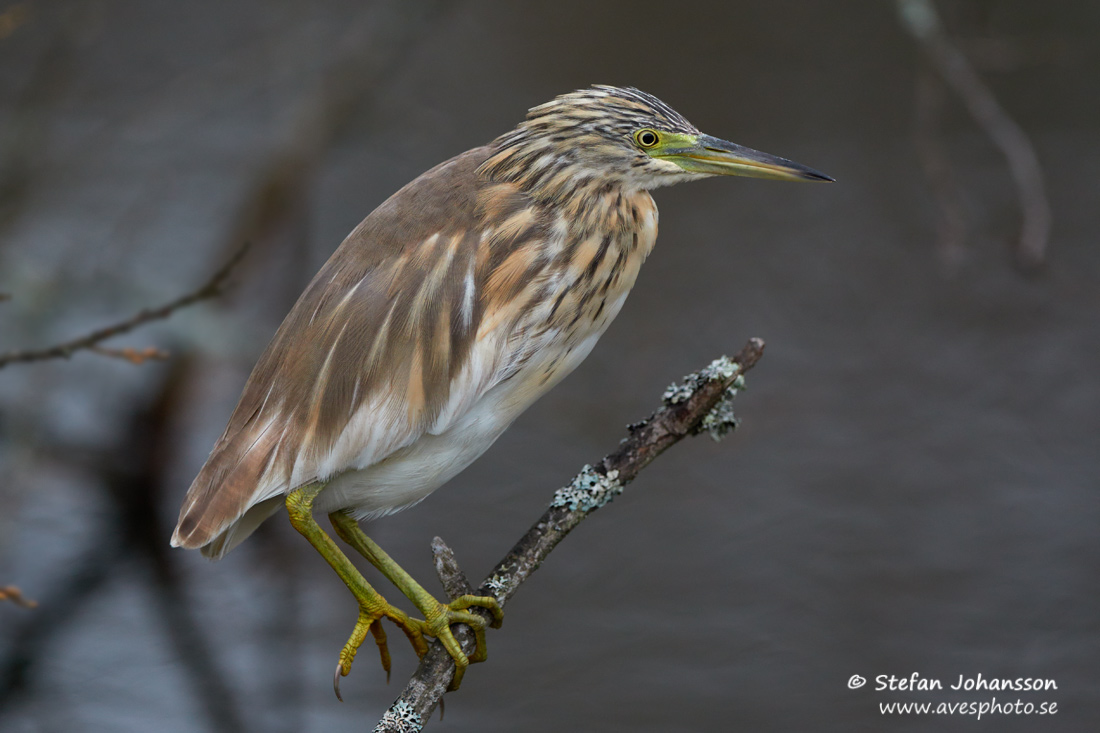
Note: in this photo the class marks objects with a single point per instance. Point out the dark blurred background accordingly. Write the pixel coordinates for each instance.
(914, 486)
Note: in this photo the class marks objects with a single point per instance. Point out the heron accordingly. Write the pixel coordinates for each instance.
(441, 317)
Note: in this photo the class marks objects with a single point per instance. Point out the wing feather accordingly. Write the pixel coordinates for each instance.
(378, 350)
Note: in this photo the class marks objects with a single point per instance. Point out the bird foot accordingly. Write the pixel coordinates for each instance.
(370, 621)
(438, 623)
(440, 617)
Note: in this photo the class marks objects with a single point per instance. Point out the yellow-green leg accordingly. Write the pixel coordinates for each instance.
(438, 616)
(372, 606)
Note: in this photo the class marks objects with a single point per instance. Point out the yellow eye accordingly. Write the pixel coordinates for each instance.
(646, 138)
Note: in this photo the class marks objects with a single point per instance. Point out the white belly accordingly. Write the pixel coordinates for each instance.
(410, 474)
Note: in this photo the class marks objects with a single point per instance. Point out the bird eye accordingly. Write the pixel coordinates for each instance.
(646, 138)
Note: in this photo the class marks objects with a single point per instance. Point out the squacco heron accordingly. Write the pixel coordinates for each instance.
(449, 310)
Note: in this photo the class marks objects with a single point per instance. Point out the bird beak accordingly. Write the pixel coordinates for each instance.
(716, 157)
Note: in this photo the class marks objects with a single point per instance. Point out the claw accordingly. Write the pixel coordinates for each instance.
(336, 680)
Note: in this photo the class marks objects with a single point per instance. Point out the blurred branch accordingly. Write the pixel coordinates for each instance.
(134, 474)
(87, 574)
(921, 20)
(936, 162)
(13, 594)
(701, 403)
(137, 479)
(90, 342)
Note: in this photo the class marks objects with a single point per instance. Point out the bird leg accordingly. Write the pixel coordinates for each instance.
(438, 616)
(372, 606)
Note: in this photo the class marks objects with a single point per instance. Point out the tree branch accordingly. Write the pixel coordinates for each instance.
(90, 342)
(700, 403)
(920, 19)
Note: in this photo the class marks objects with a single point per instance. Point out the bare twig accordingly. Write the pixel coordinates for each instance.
(450, 574)
(920, 18)
(699, 404)
(210, 289)
(132, 355)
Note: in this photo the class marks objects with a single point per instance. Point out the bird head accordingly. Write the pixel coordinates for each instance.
(623, 136)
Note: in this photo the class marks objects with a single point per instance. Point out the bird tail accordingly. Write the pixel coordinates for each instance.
(235, 491)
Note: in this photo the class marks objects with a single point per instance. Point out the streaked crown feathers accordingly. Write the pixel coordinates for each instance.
(586, 134)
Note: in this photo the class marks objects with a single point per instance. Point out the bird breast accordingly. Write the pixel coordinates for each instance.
(598, 258)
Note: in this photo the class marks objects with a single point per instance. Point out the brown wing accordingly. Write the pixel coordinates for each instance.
(367, 359)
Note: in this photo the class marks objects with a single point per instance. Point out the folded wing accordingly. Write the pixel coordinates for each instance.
(380, 348)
